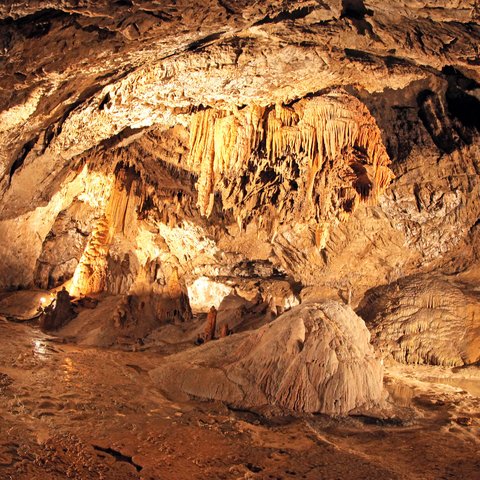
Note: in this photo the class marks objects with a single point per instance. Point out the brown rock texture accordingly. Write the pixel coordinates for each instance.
(211, 324)
(306, 170)
(274, 119)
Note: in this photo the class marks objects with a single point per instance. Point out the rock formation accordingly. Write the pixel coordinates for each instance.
(90, 274)
(64, 245)
(246, 122)
(315, 358)
(425, 319)
(211, 325)
(315, 159)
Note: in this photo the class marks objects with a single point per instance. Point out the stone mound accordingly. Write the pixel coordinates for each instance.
(314, 358)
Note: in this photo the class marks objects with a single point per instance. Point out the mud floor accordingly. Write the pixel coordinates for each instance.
(85, 413)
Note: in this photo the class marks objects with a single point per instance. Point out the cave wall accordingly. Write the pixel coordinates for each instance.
(64, 245)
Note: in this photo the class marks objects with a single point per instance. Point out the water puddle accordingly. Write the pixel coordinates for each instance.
(401, 394)
(472, 386)
(68, 369)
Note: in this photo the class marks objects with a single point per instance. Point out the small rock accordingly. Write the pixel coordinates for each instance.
(465, 421)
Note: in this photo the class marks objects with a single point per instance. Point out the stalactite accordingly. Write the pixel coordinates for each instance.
(328, 148)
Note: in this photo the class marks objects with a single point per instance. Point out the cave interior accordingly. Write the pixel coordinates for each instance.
(239, 239)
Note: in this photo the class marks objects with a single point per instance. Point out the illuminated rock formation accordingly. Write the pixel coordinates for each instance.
(314, 160)
(315, 358)
(425, 319)
(203, 293)
(64, 244)
(254, 156)
(251, 109)
(311, 169)
(90, 274)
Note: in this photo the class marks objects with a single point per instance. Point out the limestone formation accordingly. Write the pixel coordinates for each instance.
(267, 134)
(320, 156)
(425, 319)
(64, 245)
(314, 358)
(90, 274)
(224, 331)
(251, 212)
(211, 324)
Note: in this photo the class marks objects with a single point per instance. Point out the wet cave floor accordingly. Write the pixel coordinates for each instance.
(74, 412)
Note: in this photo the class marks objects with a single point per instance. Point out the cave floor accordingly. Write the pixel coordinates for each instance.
(73, 412)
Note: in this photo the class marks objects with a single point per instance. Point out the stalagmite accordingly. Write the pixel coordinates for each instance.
(211, 324)
(224, 330)
(158, 158)
(314, 358)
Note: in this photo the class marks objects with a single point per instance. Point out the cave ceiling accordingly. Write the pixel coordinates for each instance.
(301, 138)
